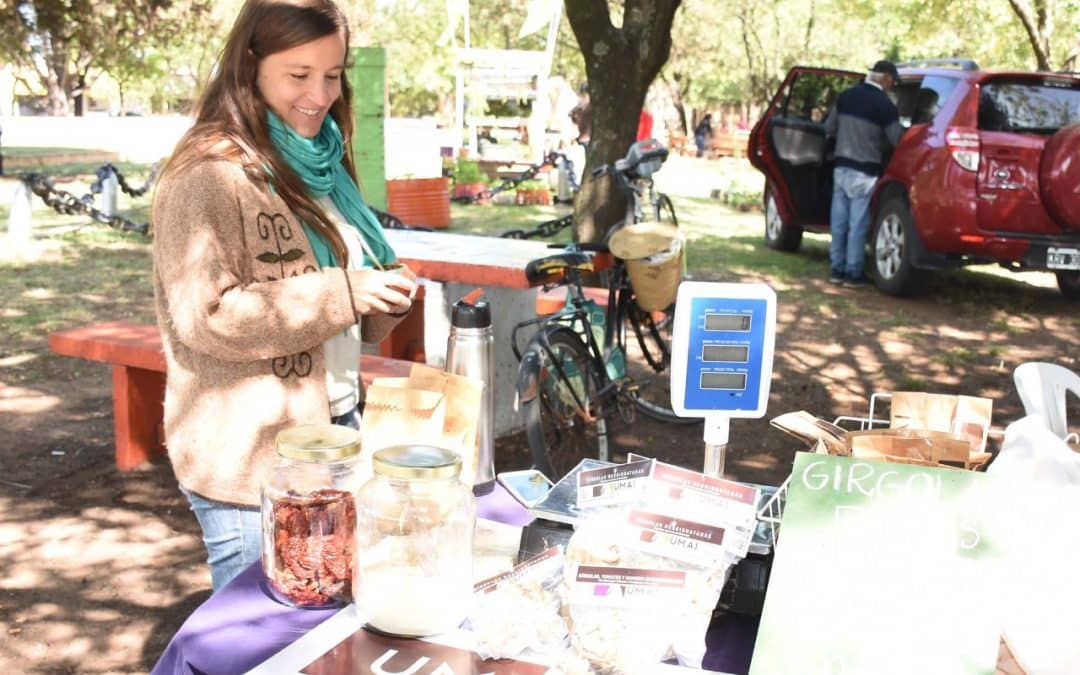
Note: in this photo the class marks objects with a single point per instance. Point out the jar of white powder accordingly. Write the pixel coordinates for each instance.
(414, 524)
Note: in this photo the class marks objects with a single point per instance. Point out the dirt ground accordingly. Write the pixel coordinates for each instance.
(98, 568)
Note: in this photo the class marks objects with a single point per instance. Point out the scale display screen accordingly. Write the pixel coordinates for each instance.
(725, 353)
(727, 322)
(733, 381)
(722, 349)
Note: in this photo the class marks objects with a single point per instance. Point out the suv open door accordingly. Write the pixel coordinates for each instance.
(788, 146)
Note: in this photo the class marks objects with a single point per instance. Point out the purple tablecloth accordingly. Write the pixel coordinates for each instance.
(241, 626)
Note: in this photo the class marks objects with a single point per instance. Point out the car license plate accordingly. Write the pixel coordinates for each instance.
(1063, 258)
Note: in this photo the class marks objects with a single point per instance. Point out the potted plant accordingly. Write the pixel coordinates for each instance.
(470, 182)
(533, 191)
(419, 201)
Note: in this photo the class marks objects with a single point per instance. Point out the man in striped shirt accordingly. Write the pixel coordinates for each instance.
(866, 126)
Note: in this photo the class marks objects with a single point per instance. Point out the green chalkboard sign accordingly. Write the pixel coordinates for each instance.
(884, 569)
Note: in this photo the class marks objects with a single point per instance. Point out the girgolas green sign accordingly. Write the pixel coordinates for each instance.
(883, 569)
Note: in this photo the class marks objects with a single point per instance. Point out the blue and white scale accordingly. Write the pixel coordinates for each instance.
(722, 357)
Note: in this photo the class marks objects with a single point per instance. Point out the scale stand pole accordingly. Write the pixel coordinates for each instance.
(717, 432)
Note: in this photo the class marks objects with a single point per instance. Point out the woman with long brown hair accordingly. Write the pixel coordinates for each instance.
(267, 266)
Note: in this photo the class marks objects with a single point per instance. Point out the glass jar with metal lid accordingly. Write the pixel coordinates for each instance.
(309, 515)
(414, 525)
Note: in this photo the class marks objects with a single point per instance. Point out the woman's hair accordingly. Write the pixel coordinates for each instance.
(230, 122)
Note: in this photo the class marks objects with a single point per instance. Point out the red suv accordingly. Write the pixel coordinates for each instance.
(988, 170)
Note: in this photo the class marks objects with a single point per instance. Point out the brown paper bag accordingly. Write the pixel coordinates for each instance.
(462, 395)
(823, 437)
(396, 415)
(966, 417)
(910, 446)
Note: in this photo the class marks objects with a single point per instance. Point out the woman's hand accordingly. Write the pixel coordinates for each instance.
(375, 291)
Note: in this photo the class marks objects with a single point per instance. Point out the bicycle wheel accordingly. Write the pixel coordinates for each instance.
(664, 210)
(558, 432)
(648, 357)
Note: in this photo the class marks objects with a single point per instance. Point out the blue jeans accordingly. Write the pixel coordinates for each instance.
(849, 221)
(232, 535)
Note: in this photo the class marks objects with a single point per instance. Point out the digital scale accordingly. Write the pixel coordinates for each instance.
(722, 357)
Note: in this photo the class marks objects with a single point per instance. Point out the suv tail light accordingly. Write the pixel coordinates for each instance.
(964, 145)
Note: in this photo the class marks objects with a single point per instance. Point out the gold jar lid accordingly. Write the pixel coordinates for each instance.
(318, 442)
(417, 462)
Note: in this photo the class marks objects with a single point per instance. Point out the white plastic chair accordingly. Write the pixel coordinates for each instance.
(1043, 388)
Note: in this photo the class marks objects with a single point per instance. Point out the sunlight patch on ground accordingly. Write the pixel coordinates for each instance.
(17, 359)
(895, 346)
(950, 332)
(39, 294)
(17, 400)
(759, 461)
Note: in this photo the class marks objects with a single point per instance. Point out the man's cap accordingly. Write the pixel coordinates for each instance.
(887, 68)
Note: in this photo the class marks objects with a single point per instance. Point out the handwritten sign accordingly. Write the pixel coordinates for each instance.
(883, 569)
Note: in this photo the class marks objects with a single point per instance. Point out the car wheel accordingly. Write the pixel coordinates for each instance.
(892, 269)
(1069, 283)
(779, 235)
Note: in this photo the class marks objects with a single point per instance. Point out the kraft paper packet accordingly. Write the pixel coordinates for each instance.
(914, 446)
(454, 429)
(462, 395)
(966, 417)
(825, 438)
(396, 415)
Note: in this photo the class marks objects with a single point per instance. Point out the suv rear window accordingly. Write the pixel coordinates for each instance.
(1032, 106)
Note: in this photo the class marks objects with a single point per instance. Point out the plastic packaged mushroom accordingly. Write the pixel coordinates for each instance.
(309, 516)
(415, 522)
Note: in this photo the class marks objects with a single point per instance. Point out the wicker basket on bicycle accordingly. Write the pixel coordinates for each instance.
(653, 253)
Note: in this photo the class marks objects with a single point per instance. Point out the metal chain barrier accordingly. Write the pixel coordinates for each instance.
(66, 203)
(546, 229)
(553, 159)
(107, 169)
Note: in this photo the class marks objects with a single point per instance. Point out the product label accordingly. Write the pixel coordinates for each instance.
(724, 504)
(686, 540)
(617, 484)
(542, 564)
(625, 586)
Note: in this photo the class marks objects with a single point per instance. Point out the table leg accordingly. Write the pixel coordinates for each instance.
(138, 409)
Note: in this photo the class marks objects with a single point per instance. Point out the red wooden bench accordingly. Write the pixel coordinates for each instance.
(138, 378)
(551, 301)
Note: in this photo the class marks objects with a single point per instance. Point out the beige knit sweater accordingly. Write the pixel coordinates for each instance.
(243, 310)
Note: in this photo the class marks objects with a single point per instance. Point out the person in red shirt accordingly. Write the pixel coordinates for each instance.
(644, 125)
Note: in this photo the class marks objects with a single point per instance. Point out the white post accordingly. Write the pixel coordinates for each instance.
(19, 216)
(109, 188)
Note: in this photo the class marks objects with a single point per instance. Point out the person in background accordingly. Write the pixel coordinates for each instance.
(702, 132)
(267, 266)
(866, 126)
(581, 115)
(644, 125)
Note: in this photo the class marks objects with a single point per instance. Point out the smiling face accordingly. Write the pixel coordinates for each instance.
(301, 83)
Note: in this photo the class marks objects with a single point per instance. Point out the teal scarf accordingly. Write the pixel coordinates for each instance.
(318, 163)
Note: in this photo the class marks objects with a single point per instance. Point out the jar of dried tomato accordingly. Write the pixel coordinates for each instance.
(414, 532)
(309, 516)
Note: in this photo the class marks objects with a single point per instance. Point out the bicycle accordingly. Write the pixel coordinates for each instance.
(579, 368)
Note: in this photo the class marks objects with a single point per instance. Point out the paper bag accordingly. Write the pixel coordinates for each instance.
(966, 417)
(430, 407)
(397, 415)
(462, 396)
(913, 446)
(824, 437)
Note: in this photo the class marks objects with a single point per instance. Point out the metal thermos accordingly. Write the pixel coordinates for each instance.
(470, 351)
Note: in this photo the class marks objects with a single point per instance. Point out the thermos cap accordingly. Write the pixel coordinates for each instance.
(466, 315)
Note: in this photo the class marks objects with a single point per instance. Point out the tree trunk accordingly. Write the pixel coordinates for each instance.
(620, 64)
(1038, 22)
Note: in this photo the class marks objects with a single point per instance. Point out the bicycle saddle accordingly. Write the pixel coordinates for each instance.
(547, 269)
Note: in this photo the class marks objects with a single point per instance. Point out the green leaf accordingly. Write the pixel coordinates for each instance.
(268, 257)
(292, 254)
